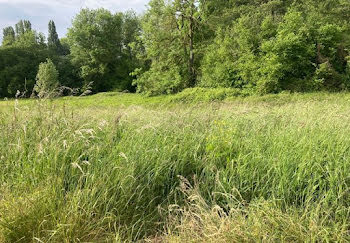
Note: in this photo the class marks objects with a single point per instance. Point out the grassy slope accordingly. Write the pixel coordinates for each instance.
(120, 166)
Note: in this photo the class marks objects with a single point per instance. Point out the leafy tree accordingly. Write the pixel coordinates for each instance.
(53, 41)
(187, 14)
(169, 35)
(18, 69)
(289, 58)
(163, 49)
(233, 59)
(65, 46)
(131, 35)
(30, 39)
(97, 48)
(218, 66)
(131, 31)
(9, 36)
(279, 45)
(46, 79)
(22, 27)
(20, 58)
(19, 63)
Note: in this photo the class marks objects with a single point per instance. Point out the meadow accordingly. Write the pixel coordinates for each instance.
(210, 167)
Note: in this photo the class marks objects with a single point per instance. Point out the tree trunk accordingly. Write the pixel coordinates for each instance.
(192, 71)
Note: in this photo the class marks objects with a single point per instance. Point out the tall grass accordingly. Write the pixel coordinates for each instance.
(272, 169)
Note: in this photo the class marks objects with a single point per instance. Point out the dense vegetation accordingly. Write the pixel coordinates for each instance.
(120, 167)
(96, 54)
(263, 46)
(210, 154)
(256, 46)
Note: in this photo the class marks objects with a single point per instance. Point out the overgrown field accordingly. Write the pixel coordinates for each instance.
(121, 167)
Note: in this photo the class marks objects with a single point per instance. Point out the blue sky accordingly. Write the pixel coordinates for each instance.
(39, 12)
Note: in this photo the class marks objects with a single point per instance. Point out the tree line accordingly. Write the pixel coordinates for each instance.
(96, 54)
(256, 46)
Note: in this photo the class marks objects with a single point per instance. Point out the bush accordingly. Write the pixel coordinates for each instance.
(218, 67)
(206, 95)
(47, 79)
(159, 80)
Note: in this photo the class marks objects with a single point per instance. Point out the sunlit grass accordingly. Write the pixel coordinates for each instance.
(116, 167)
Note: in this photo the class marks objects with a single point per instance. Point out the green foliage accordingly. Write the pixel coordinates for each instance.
(18, 69)
(99, 42)
(46, 80)
(69, 74)
(276, 46)
(169, 36)
(110, 59)
(218, 67)
(20, 56)
(22, 27)
(287, 59)
(30, 39)
(53, 42)
(159, 80)
(95, 40)
(8, 36)
(263, 46)
(65, 46)
(235, 56)
(195, 95)
(331, 58)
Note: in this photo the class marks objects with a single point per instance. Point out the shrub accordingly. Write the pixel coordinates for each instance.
(46, 79)
(205, 95)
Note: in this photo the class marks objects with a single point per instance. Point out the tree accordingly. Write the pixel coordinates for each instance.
(219, 67)
(131, 34)
(170, 38)
(131, 31)
(18, 68)
(9, 36)
(65, 46)
(187, 14)
(96, 40)
(23, 26)
(20, 58)
(53, 42)
(30, 39)
(234, 57)
(46, 79)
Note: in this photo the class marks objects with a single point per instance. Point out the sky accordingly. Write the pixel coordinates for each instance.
(39, 12)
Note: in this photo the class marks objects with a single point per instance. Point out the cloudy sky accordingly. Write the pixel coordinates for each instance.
(39, 12)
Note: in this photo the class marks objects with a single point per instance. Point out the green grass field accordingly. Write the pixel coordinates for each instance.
(122, 167)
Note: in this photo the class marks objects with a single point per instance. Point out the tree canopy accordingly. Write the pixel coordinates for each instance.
(46, 79)
(99, 42)
(257, 46)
